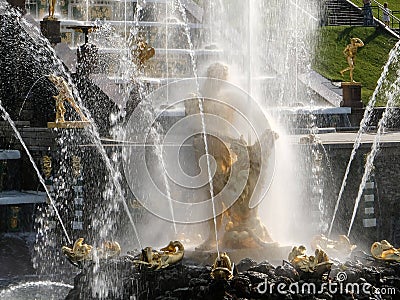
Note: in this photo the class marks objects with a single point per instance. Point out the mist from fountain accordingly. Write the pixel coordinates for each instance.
(267, 48)
(203, 122)
(275, 60)
(287, 66)
(35, 290)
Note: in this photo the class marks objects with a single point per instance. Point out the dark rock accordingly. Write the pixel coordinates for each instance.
(217, 289)
(353, 275)
(182, 293)
(242, 285)
(393, 281)
(371, 274)
(287, 271)
(258, 282)
(264, 267)
(245, 264)
(256, 277)
(198, 282)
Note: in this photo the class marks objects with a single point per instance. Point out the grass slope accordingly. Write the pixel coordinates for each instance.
(329, 57)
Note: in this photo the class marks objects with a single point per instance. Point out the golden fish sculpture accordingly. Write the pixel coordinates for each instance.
(81, 252)
(318, 264)
(169, 255)
(385, 251)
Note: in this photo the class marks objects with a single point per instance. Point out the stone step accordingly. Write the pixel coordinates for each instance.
(340, 12)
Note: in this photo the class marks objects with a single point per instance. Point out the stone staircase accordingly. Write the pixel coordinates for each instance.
(342, 12)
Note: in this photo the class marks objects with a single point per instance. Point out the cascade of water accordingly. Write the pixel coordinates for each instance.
(29, 290)
(393, 56)
(203, 123)
(12, 124)
(92, 130)
(159, 152)
(156, 130)
(391, 96)
(328, 164)
(318, 188)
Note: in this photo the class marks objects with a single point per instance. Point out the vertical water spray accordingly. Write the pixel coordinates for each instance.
(393, 57)
(203, 123)
(391, 96)
(156, 130)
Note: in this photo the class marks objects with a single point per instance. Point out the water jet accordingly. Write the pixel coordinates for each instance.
(201, 127)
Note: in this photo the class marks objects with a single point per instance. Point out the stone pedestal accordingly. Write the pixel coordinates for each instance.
(68, 124)
(351, 95)
(50, 28)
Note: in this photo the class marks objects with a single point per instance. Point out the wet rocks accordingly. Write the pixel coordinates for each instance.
(119, 279)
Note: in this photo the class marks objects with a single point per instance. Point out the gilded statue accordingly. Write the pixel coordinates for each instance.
(243, 227)
(350, 53)
(142, 52)
(52, 7)
(385, 251)
(81, 252)
(240, 225)
(317, 264)
(222, 269)
(169, 255)
(65, 94)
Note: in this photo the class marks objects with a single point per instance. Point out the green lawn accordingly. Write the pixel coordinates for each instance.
(329, 57)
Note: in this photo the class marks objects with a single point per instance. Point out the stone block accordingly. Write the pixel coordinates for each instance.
(351, 95)
(51, 30)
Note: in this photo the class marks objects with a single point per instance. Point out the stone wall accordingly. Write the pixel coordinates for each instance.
(386, 192)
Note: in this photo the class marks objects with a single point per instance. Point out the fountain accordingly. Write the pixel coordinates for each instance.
(174, 124)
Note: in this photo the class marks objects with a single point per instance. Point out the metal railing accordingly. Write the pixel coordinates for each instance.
(377, 11)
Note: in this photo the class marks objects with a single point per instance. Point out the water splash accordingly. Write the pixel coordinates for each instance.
(91, 130)
(29, 290)
(392, 96)
(203, 123)
(7, 117)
